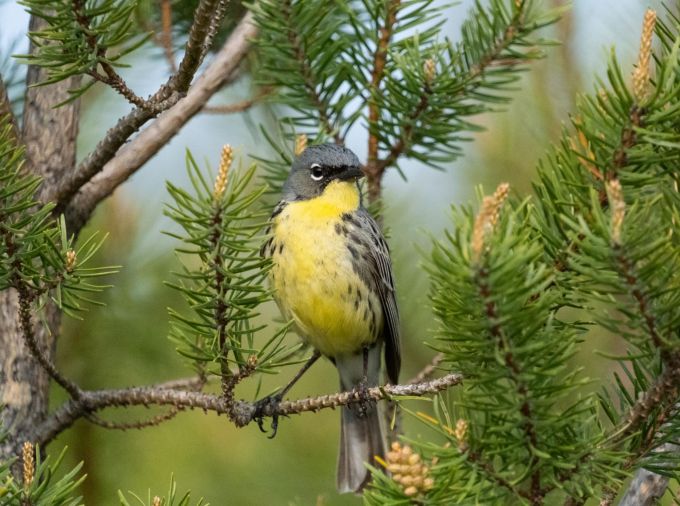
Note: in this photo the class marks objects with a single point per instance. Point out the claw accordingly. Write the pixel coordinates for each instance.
(262, 407)
(360, 391)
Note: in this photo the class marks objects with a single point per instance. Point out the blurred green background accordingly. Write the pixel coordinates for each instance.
(125, 343)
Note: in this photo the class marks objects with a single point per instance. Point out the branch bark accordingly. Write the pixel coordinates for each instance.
(240, 412)
(206, 17)
(130, 158)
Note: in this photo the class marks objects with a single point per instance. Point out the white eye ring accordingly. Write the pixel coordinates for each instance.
(317, 173)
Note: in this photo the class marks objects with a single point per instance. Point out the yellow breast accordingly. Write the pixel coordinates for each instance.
(315, 283)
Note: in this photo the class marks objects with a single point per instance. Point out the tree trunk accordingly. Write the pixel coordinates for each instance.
(49, 135)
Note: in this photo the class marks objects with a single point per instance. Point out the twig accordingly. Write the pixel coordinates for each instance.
(111, 77)
(240, 412)
(373, 174)
(241, 105)
(167, 96)
(136, 153)
(426, 372)
(166, 34)
(32, 344)
(207, 15)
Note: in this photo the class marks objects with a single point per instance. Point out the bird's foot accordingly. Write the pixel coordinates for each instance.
(267, 407)
(360, 392)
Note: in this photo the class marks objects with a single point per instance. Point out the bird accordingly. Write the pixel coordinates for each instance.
(331, 275)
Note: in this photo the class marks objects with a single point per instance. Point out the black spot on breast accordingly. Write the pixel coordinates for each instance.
(356, 304)
(280, 248)
(353, 251)
(365, 313)
(349, 289)
(338, 228)
(359, 295)
(265, 247)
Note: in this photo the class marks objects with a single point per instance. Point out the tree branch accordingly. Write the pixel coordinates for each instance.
(373, 174)
(133, 155)
(168, 95)
(240, 412)
(241, 105)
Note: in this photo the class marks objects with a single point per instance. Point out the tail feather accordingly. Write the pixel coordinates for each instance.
(361, 441)
(361, 438)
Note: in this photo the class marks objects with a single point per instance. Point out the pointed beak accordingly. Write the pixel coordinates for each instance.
(350, 173)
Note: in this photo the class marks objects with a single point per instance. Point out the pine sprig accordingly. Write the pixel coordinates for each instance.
(85, 37)
(222, 276)
(39, 484)
(172, 498)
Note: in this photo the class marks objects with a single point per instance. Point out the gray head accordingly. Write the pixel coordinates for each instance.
(318, 166)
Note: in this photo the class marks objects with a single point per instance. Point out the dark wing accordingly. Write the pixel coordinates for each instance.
(377, 255)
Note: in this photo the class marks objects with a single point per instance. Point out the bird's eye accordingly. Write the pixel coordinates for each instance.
(317, 172)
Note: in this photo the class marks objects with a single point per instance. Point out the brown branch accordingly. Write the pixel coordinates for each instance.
(25, 303)
(241, 105)
(428, 371)
(373, 173)
(111, 77)
(166, 33)
(166, 97)
(240, 412)
(116, 169)
(207, 15)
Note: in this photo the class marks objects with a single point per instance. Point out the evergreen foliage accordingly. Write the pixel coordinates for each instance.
(172, 498)
(36, 256)
(42, 482)
(223, 275)
(517, 286)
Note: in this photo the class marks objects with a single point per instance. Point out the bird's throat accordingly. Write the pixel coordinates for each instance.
(337, 198)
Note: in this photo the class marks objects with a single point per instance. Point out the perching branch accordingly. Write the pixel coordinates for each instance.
(136, 153)
(240, 412)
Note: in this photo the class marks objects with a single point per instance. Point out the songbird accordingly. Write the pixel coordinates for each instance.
(332, 276)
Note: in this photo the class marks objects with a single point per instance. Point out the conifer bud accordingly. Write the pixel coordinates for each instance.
(618, 208)
(408, 470)
(429, 70)
(156, 501)
(225, 164)
(487, 219)
(28, 459)
(641, 71)
(300, 144)
(70, 260)
(460, 433)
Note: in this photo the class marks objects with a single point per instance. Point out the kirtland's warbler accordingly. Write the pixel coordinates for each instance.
(332, 277)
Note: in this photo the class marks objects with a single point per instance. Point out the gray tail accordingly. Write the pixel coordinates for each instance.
(361, 438)
(360, 441)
